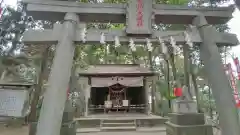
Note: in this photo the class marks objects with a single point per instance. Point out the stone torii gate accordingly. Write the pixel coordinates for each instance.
(139, 15)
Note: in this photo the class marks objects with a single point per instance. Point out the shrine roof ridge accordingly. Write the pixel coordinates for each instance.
(16, 84)
(116, 13)
(116, 70)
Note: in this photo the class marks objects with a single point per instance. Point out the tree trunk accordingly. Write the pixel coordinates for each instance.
(168, 83)
(187, 70)
(174, 71)
(133, 57)
(38, 89)
(153, 91)
(194, 80)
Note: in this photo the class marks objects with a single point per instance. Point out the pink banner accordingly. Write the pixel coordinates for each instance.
(233, 84)
(140, 13)
(232, 79)
(236, 62)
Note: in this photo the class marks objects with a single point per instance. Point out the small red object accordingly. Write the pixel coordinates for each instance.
(177, 92)
(1, 9)
(238, 105)
(68, 92)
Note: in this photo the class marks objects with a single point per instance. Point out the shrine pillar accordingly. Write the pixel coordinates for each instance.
(55, 96)
(221, 89)
(87, 97)
(147, 94)
(153, 94)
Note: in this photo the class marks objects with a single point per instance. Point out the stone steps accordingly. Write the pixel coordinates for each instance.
(116, 125)
(125, 128)
(88, 130)
(152, 129)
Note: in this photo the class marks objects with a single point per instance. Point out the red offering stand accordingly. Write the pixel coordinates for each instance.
(177, 92)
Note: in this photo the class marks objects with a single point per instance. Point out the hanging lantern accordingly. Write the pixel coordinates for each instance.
(177, 91)
(132, 45)
(117, 42)
(102, 39)
(83, 35)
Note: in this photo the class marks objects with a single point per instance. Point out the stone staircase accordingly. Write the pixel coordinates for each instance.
(118, 125)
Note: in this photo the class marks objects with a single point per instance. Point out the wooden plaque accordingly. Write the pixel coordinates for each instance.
(13, 102)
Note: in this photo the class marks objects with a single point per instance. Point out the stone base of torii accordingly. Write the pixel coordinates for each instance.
(65, 37)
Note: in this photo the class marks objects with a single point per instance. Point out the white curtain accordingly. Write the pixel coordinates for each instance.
(108, 81)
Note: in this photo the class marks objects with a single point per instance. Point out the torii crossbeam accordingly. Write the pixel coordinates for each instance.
(93, 36)
(139, 16)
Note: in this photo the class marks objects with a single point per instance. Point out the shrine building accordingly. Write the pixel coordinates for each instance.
(116, 88)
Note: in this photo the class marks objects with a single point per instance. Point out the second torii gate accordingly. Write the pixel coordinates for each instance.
(139, 16)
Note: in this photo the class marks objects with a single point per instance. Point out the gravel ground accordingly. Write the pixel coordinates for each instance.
(24, 131)
(121, 133)
(14, 130)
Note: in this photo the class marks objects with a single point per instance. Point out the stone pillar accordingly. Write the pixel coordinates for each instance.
(55, 96)
(186, 69)
(68, 125)
(86, 106)
(221, 88)
(154, 100)
(146, 90)
(87, 96)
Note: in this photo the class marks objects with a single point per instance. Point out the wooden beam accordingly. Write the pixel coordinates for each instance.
(116, 13)
(93, 37)
(184, 14)
(44, 37)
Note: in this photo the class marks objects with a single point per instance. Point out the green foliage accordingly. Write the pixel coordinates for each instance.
(98, 54)
(166, 92)
(12, 25)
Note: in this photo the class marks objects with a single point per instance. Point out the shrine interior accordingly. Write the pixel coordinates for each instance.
(136, 96)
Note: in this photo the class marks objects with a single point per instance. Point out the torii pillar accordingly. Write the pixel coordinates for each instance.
(221, 88)
(55, 96)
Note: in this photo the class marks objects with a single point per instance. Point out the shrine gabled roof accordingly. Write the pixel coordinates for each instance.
(116, 69)
(16, 83)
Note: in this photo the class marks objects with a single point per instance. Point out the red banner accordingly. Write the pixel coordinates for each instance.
(140, 13)
(232, 78)
(236, 62)
(233, 84)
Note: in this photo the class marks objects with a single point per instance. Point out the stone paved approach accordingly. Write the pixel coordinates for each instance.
(13, 130)
(126, 132)
(24, 131)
